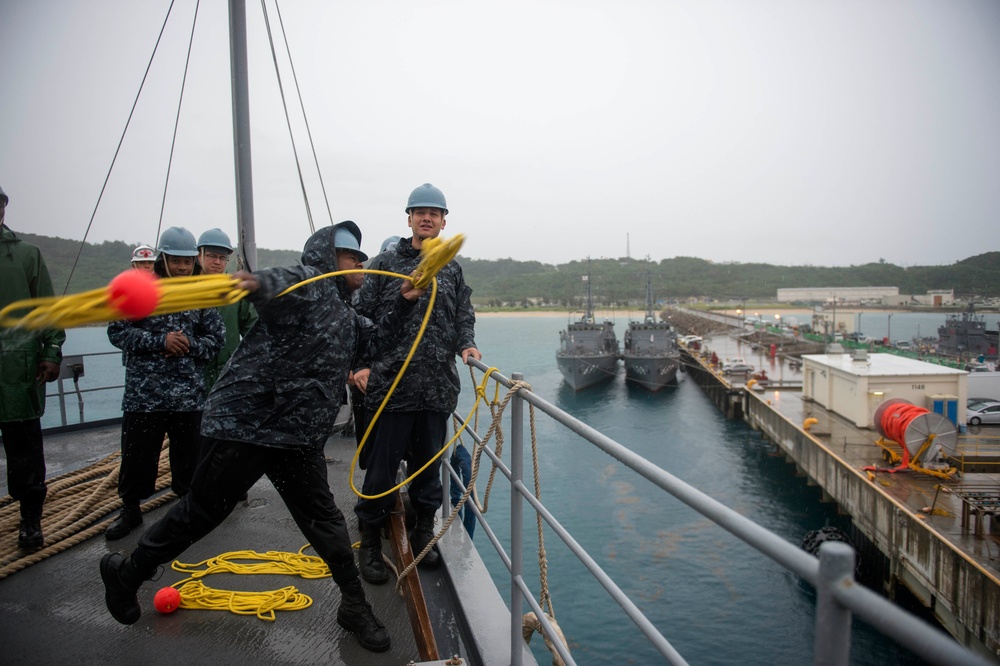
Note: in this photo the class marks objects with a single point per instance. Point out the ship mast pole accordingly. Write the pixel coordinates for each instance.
(241, 132)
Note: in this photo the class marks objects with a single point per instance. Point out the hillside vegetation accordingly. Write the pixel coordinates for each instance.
(614, 281)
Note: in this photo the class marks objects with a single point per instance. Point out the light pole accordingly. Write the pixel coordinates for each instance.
(888, 332)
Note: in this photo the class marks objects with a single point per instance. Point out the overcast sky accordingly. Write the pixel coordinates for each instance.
(788, 132)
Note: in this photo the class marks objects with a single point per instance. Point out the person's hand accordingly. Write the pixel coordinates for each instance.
(473, 352)
(410, 292)
(47, 372)
(248, 281)
(360, 379)
(177, 344)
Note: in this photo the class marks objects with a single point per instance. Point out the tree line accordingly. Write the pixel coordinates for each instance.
(614, 282)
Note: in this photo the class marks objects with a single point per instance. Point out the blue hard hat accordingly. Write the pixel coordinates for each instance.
(427, 196)
(216, 238)
(177, 242)
(391, 240)
(344, 238)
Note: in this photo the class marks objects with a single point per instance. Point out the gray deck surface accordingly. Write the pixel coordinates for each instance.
(54, 611)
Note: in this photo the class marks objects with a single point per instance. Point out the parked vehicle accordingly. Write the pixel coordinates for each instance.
(736, 366)
(974, 401)
(983, 412)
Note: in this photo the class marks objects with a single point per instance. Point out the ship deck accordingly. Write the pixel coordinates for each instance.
(54, 610)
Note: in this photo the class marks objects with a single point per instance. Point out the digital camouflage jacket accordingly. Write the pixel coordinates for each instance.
(285, 383)
(155, 382)
(431, 381)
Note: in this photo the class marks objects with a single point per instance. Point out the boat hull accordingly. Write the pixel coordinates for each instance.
(651, 372)
(584, 371)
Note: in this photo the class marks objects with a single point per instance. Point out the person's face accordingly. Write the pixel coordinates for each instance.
(426, 222)
(348, 260)
(179, 266)
(144, 266)
(213, 263)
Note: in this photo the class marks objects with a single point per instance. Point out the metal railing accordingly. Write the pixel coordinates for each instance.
(72, 370)
(838, 597)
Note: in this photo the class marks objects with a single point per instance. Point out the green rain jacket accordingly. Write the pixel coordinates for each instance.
(23, 274)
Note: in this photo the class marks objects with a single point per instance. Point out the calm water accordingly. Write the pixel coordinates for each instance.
(714, 598)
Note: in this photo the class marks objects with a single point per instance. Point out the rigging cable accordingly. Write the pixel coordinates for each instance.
(177, 120)
(121, 140)
(288, 122)
(302, 106)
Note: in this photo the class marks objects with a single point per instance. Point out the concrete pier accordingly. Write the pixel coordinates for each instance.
(936, 537)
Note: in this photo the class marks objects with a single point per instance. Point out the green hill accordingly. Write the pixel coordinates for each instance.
(615, 281)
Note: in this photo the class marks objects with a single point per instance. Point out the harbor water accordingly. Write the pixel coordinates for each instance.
(717, 600)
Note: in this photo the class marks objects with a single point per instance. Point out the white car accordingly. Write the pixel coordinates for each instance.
(688, 339)
(983, 412)
(736, 366)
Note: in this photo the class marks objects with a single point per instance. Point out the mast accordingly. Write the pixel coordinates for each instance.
(650, 318)
(241, 132)
(589, 314)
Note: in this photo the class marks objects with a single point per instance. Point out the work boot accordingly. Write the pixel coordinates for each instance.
(29, 533)
(370, 562)
(129, 518)
(422, 534)
(121, 587)
(355, 614)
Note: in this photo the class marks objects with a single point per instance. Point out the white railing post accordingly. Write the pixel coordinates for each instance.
(833, 620)
(516, 520)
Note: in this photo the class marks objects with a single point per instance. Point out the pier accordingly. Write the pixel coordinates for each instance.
(938, 539)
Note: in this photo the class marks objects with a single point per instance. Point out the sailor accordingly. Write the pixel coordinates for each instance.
(143, 258)
(165, 358)
(414, 424)
(270, 413)
(28, 359)
(214, 251)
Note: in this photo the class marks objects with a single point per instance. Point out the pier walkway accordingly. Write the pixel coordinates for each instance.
(940, 539)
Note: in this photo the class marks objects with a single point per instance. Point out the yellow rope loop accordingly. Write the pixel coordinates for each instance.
(196, 595)
(435, 254)
(95, 306)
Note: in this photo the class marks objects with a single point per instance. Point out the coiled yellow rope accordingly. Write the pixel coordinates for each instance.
(198, 596)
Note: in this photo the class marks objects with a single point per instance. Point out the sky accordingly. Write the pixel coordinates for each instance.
(790, 132)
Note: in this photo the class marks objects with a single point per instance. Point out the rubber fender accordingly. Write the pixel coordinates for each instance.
(809, 422)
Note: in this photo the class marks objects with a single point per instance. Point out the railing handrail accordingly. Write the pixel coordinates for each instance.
(838, 594)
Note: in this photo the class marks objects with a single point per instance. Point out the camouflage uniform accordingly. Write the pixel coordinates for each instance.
(415, 420)
(163, 395)
(272, 409)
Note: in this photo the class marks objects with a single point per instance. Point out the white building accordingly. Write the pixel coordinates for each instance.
(854, 387)
(836, 294)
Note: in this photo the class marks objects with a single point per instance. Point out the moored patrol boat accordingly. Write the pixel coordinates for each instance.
(588, 351)
(650, 352)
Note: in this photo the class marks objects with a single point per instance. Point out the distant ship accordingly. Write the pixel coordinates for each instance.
(588, 351)
(651, 353)
(965, 334)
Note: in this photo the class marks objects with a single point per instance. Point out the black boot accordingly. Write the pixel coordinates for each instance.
(128, 519)
(422, 534)
(29, 533)
(121, 587)
(355, 614)
(370, 562)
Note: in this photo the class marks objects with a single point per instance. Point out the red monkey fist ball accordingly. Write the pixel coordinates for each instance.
(167, 600)
(134, 294)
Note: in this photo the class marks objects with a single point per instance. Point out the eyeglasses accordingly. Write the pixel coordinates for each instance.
(211, 256)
